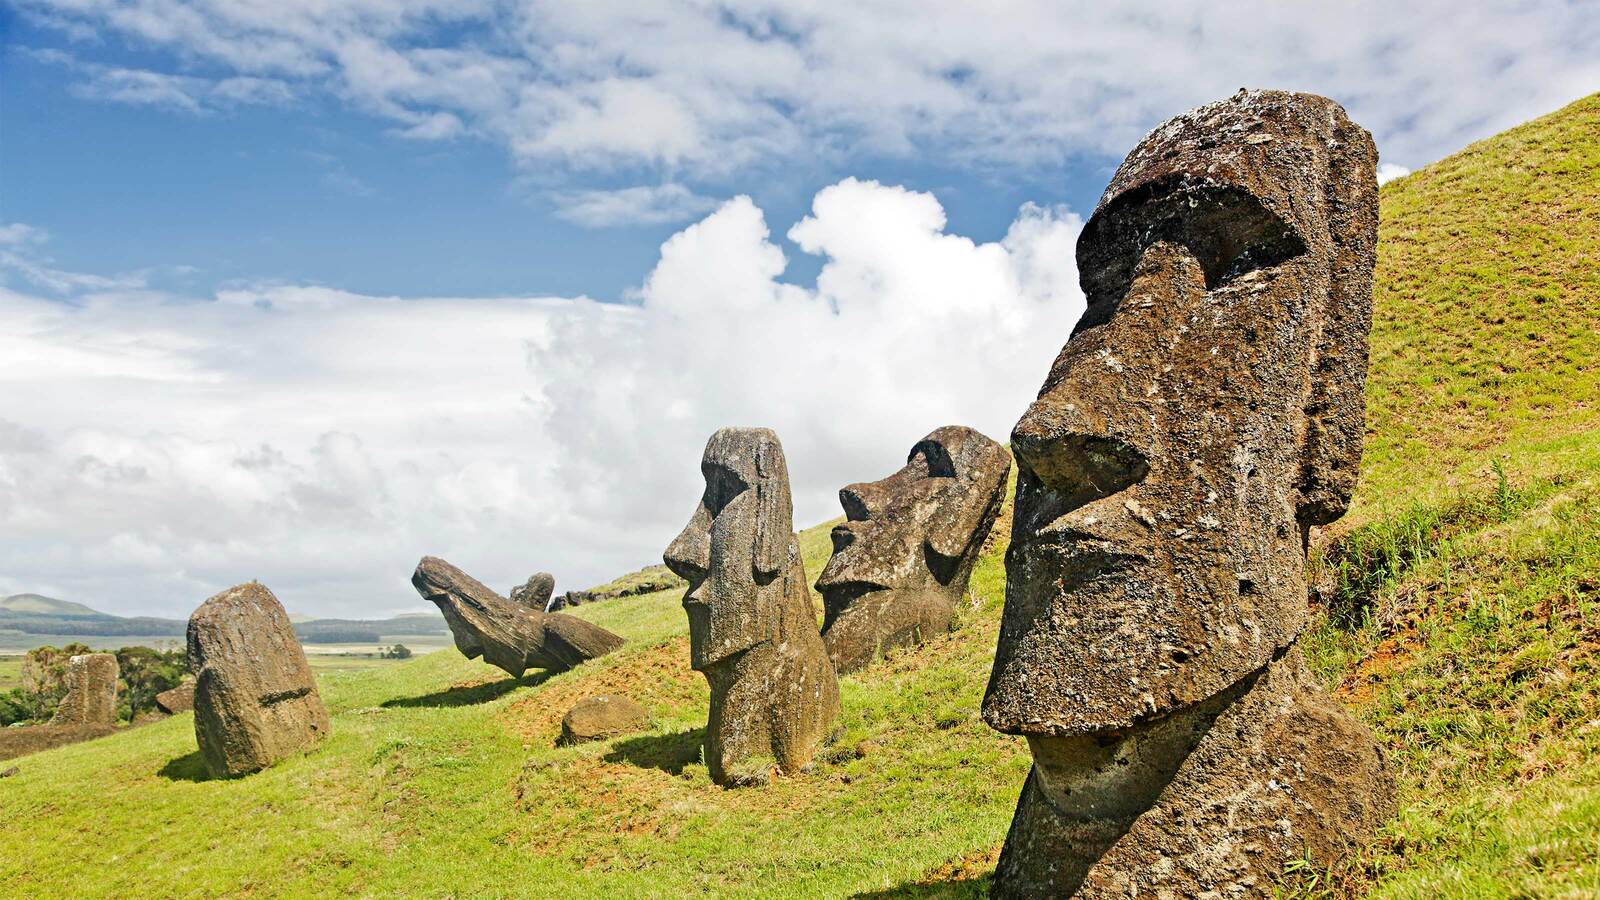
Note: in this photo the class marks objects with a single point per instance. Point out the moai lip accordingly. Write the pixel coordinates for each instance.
(1205, 414)
(902, 558)
(752, 630)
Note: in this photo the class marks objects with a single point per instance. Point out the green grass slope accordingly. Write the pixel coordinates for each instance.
(1461, 622)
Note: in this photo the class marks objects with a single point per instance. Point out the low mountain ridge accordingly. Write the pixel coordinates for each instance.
(38, 614)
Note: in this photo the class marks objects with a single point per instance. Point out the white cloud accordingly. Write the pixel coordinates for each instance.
(154, 449)
(640, 205)
(183, 93)
(689, 89)
(1388, 172)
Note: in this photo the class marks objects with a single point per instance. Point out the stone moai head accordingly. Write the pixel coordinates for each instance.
(1206, 412)
(902, 558)
(736, 547)
(535, 592)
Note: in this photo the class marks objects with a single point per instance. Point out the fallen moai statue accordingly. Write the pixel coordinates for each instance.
(902, 558)
(508, 635)
(91, 697)
(1206, 413)
(255, 700)
(752, 629)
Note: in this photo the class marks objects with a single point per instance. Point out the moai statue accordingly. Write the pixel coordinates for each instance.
(752, 629)
(91, 697)
(1206, 413)
(509, 635)
(902, 558)
(535, 592)
(255, 701)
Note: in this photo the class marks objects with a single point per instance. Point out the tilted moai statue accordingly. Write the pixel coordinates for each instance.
(902, 558)
(255, 701)
(509, 635)
(1206, 413)
(535, 592)
(752, 629)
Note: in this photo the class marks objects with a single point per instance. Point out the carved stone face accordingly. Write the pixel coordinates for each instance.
(1205, 413)
(735, 545)
(902, 558)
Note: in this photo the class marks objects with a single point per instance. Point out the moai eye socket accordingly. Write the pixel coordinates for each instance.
(722, 485)
(1229, 231)
(935, 458)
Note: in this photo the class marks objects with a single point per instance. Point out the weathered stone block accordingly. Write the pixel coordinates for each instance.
(91, 697)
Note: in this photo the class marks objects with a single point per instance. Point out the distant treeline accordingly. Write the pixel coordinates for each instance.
(356, 631)
(91, 626)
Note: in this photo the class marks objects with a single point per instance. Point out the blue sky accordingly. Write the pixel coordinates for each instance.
(316, 191)
(304, 290)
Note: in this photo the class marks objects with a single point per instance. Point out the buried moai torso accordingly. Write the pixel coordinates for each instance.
(509, 635)
(902, 558)
(255, 700)
(752, 629)
(91, 697)
(1205, 414)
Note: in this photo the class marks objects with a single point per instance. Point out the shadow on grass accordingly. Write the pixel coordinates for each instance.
(189, 767)
(667, 752)
(470, 694)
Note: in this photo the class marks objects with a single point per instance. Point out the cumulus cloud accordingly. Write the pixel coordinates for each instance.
(1388, 172)
(639, 205)
(156, 448)
(690, 89)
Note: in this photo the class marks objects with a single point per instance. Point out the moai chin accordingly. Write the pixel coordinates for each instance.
(1205, 414)
(902, 558)
(752, 629)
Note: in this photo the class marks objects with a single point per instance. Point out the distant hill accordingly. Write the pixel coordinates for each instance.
(38, 614)
(38, 604)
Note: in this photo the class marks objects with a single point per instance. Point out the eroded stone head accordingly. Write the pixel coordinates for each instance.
(1205, 413)
(902, 558)
(255, 700)
(738, 542)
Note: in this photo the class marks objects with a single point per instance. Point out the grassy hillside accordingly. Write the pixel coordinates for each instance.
(1461, 622)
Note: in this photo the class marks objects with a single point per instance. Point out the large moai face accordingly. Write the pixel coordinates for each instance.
(903, 555)
(1206, 412)
(736, 546)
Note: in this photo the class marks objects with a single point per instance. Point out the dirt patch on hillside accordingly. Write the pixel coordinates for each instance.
(657, 677)
(15, 742)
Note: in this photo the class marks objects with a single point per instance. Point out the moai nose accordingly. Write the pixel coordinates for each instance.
(1071, 457)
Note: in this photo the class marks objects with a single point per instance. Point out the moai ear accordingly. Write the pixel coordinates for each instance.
(774, 511)
(1336, 403)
